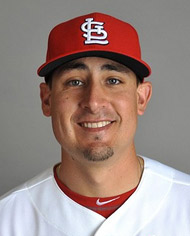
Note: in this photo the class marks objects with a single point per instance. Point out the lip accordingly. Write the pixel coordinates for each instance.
(95, 126)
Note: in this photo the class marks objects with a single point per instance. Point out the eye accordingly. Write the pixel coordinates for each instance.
(75, 83)
(113, 81)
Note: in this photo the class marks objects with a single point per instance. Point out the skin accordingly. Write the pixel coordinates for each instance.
(85, 94)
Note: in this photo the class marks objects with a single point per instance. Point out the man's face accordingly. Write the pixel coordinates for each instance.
(94, 103)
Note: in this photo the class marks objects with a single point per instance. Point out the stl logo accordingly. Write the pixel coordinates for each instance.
(94, 32)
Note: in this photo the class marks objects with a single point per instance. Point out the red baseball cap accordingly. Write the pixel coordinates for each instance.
(97, 35)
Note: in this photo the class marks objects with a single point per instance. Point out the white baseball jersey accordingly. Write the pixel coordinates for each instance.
(159, 207)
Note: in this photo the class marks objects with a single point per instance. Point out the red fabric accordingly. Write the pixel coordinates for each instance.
(91, 202)
(69, 38)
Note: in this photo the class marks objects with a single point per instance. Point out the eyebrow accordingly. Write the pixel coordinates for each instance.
(76, 65)
(82, 66)
(70, 66)
(115, 67)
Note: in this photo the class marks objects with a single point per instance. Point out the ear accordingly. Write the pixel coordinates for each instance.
(144, 92)
(45, 95)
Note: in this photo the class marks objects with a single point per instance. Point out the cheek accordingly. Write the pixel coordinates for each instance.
(61, 103)
(126, 105)
(59, 106)
(62, 109)
(126, 108)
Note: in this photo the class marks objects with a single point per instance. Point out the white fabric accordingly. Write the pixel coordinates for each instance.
(159, 207)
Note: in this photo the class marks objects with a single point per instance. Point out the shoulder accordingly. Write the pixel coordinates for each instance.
(21, 193)
(166, 172)
(166, 187)
(22, 206)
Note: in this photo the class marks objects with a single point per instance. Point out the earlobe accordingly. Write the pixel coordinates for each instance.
(144, 92)
(45, 94)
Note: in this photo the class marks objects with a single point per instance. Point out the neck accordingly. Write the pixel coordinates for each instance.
(106, 179)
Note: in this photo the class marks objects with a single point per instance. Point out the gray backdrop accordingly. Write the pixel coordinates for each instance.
(27, 144)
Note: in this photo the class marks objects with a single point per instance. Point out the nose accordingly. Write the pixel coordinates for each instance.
(94, 98)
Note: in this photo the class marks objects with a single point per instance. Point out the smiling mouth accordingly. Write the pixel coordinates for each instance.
(95, 125)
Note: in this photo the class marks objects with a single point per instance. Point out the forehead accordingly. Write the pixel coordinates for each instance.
(93, 63)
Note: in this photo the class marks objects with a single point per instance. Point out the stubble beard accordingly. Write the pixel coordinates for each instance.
(98, 154)
(99, 151)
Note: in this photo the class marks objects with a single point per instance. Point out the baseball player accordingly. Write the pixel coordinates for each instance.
(94, 90)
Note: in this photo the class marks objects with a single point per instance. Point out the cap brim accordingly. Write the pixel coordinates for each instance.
(139, 67)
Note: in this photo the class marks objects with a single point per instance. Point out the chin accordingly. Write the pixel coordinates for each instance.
(97, 154)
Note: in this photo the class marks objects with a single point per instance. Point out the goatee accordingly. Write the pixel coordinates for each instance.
(98, 154)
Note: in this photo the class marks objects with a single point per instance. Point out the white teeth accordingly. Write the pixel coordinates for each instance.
(95, 124)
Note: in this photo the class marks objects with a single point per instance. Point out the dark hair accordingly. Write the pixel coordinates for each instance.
(139, 80)
(48, 79)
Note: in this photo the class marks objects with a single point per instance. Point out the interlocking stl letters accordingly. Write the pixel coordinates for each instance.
(90, 28)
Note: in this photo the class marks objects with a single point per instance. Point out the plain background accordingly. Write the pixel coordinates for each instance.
(27, 144)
